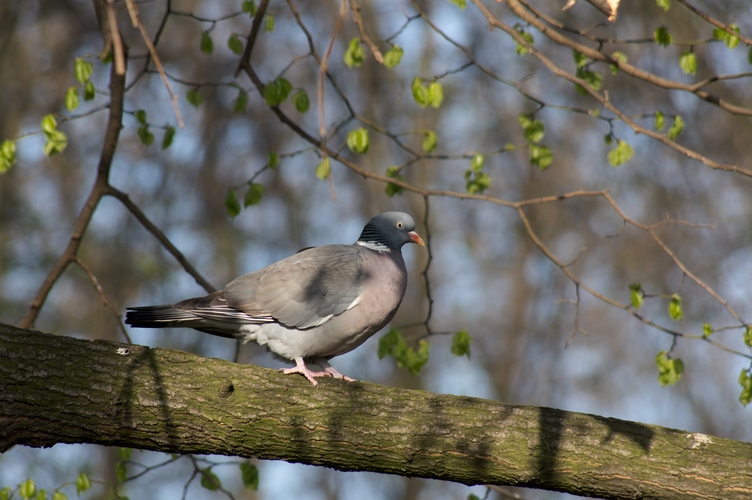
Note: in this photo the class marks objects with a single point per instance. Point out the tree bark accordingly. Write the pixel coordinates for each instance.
(57, 389)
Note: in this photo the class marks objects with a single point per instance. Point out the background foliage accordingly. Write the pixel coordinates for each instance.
(588, 266)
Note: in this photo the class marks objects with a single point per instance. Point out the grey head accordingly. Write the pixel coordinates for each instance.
(389, 231)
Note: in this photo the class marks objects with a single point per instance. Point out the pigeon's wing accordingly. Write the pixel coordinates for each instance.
(301, 291)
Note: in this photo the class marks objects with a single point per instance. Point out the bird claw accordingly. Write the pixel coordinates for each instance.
(329, 371)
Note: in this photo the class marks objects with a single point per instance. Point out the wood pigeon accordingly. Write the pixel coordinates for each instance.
(314, 305)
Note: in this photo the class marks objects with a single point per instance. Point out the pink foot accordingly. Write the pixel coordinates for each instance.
(331, 370)
(300, 367)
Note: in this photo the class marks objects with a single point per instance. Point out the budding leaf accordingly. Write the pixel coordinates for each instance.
(269, 23)
(394, 345)
(249, 7)
(273, 161)
(145, 135)
(621, 154)
(533, 129)
(391, 189)
(746, 382)
(461, 343)
(240, 102)
(659, 121)
(675, 308)
(82, 69)
(747, 337)
(121, 471)
(27, 489)
(429, 141)
(83, 483)
(637, 294)
(125, 453)
(662, 37)
(169, 133)
(521, 50)
(477, 162)
(300, 99)
(194, 98)
(354, 55)
(688, 63)
(541, 156)
(71, 99)
(254, 194)
(663, 4)
(209, 480)
(249, 474)
(459, 3)
(707, 330)
(669, 370)
(235, 44)
(730, 40)
(7, 155)
(580, 59)
(231, 204)
(89, 91)
(324, 168)
(435, 94)
(207, 45)
(393, 56)
(357, 140)
(676, 128)
(420, 93)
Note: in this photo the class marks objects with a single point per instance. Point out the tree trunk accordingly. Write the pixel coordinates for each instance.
(57, 389)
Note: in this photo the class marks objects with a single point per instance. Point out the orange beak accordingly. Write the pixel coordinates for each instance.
(415, 238)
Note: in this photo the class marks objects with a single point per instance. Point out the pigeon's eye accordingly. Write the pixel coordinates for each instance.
(399, 225)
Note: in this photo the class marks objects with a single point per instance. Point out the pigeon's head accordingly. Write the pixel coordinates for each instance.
(390, 231)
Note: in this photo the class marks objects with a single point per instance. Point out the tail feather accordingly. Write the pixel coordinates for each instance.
(163, 316)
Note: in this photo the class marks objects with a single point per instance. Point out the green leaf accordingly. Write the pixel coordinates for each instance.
(420, 93)
(477, 162)
(533, 129)
(619, 56)
(83, 483)
(89, 91)
(659, 121)
(254, 194)
(59, 495)
(249, 474)
(49, 124)
(435, 94)
(125, 453)
(477, 182)
(707, 330)
(521, 50)
(71, 98)
(207, 45)
(140, 116)
(231, 204)
(273, 161)
(354, 55)
(663, 4)
(300, 99)
(608, 139)
(194, 98)
(249, 7)
(676, 128)
(746, 382)
(5, 493)
(747, 337)
(541, 156)
(169, 133)
(394, 344)
(7, 155)
(82, 69)
(621, 154)
(393, 56)
(121, 471)
(730, 40)
(662, 37)
(669, 370)
(675, 308)
(235, 44)
(357, 140)
(391, 189)
(473, 496)
(324, 168)
(688, 63)
(459, 3)
(593, 79)
(637, 294)
(430, 140)
(41, 495)
(147, 138)
(27, 489)
(269, 23)
(209, 480)
(240, 102)
(579, 59)
(461, 343)
(276, 92)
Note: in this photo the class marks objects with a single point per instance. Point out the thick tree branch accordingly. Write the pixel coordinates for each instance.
(57, 389)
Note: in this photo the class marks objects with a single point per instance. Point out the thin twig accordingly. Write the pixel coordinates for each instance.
(357, 13)
(103, 296)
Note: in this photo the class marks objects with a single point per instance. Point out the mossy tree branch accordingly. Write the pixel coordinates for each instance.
(57, 389)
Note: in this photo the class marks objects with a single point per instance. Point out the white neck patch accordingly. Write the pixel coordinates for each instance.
(373, 245)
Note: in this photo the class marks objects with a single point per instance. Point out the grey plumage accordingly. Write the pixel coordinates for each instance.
(311, 306)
